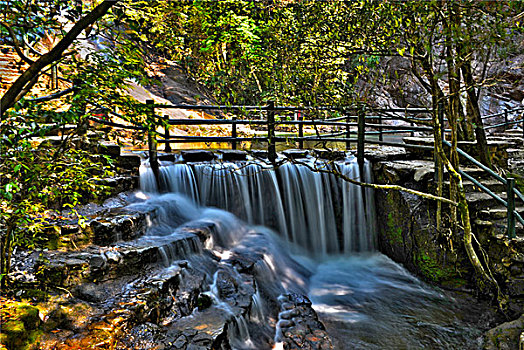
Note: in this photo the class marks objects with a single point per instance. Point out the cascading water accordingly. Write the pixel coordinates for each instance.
(302, 205)
(366, 300)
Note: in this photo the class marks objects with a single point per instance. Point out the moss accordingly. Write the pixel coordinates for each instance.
(20, 325)
(34, 294)
(204, 301)
(433, 271)
(394, 232)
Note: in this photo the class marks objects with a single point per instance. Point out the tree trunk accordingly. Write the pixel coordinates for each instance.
(473, 103)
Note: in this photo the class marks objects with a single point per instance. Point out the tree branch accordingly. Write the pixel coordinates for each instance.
(16, 44)
(12, 95)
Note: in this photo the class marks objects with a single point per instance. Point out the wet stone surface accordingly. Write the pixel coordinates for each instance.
(298, 325)
(197, 156)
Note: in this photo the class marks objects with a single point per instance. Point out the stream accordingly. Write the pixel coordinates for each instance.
(324, 226)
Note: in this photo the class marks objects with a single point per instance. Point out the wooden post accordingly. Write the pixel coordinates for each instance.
(271, 148)
(234, 133)
(152, 142)
(166, 133)
(300, 131)
(511, 207)
(361, 137)
(505, 119)
(348, 133)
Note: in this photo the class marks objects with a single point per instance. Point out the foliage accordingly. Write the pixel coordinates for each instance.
(39, 180)
(36, 179)
(252, 52)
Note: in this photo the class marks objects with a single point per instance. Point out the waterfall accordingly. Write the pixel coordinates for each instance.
(314, 209)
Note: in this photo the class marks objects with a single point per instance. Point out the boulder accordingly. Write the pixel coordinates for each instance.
(506, 336)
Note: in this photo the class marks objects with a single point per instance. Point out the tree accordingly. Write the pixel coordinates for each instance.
(39, 181)
(26, 81)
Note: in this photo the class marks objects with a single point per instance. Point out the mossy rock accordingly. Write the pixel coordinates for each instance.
(394, 231)
(20, 325)
(434, 271)
(505, 336)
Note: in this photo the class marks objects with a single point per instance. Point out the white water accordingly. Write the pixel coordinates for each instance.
(315, 210)
(366, 300)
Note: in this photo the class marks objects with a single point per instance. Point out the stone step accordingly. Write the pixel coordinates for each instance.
(497, 149)
(515, 153)
(504, 138)
(512, 133)
(516, 166)
(420, 169)
(492, 184)
(497, 228)
(483, 201)
(499, 212)
(428, 141)
(66, 269)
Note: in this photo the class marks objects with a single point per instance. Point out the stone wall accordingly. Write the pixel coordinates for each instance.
(408, 235)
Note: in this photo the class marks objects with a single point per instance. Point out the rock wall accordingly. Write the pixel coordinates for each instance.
(408, 235)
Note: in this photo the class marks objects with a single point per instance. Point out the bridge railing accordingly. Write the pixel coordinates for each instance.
(349, 117)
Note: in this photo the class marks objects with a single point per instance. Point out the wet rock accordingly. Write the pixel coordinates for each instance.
(144, 336)
(505, 336)
(201, 330)
(198, 156)
(117, 226)
(296, 153)
(90, 292)
(226, 285)
(233, 155)
(304, 330)
(286, 323)
(204, 229)
(97, 262)
(180, 342)
(330, 154)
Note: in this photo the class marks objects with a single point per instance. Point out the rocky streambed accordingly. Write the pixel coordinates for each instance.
(163, 274)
